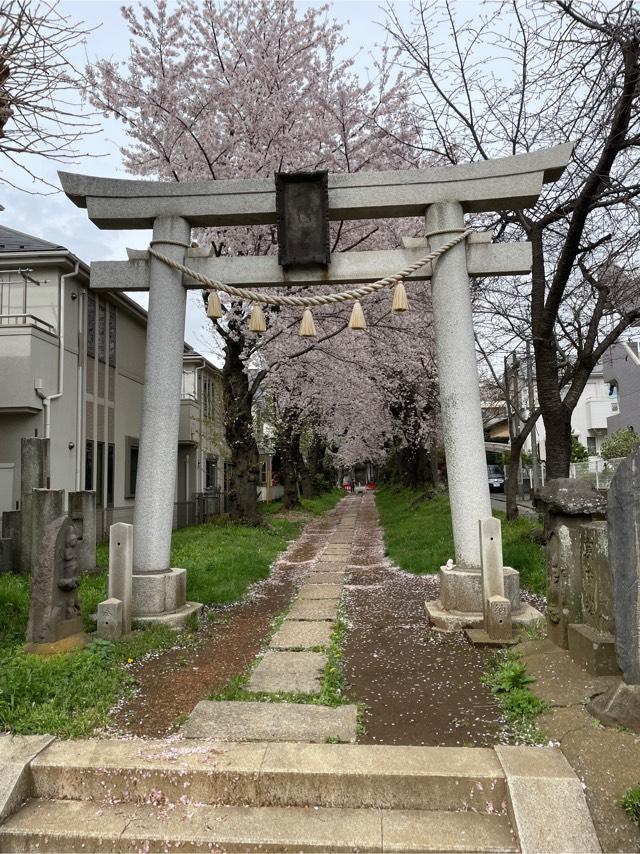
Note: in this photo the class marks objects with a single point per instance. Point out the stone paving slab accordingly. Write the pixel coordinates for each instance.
(332, 560)
(302, 634)
(231, 721)
(320, 591)
(313, 609)
(293, 672)
(317, 577)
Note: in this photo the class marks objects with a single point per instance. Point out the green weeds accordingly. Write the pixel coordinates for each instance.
(509, 682)
(630, 803)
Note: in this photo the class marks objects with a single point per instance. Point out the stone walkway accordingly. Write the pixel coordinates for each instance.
(296, 657)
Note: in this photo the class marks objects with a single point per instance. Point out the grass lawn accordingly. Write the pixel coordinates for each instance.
(70, 695)
(418, 536)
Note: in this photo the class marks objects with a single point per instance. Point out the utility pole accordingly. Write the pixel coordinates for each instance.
(535, 463)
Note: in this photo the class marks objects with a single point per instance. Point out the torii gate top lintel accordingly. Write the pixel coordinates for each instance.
(507, 182)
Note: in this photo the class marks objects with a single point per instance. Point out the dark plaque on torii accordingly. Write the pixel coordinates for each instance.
(302, 207)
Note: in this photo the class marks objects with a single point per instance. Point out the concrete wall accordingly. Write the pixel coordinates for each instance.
(620, 368)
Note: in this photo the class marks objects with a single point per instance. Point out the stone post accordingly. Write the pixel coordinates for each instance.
(47, 505)
(459, 385)
(12, 530)
(34, 474)
(120, 569)
(82, 510)
(497, 608)
(6, 555)
(157, 589)
(621, 703)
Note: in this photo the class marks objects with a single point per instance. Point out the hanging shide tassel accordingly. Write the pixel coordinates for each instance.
(357, 320)
(214, 306)
(400, 302)
(307, 326)
(257, 322)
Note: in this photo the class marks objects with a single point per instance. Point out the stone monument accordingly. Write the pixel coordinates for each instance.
(567, 504)
(55, 623)
(621, 704)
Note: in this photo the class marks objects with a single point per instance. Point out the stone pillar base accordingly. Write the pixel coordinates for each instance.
(161, 597)
(460, 604)
(594, 651)
(461, 589)
(176, 619)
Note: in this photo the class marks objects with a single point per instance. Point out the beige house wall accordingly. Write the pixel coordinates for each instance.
(101, 403)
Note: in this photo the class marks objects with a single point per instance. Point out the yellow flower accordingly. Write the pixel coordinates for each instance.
(129, 661)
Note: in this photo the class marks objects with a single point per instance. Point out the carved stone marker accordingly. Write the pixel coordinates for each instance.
(592, 640)
(121, 569)
(621, 704)
(110, 619)
(624, 554)
(496, 606)
(55, 611)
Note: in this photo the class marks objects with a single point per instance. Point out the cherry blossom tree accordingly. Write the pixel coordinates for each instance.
(245, 89)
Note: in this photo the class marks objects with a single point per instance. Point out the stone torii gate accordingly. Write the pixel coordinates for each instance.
(442, 195)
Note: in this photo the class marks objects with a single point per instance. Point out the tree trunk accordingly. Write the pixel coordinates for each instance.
(558, 442)
(289, 445)
(245, 461)
(511, 485)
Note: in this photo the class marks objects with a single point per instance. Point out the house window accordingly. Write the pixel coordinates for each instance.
(211, 473)
(208, 396)
(111, 457)
(102, 331)
(227, 476)
(591, 446)
(91, 327)
(99, 474)
(263, 474)
(112, 336)
(88, 465)
(131, 467)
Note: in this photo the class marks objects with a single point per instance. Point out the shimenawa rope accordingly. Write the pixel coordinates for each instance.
(308, 302)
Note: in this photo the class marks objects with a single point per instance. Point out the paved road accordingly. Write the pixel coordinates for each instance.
(499, 502)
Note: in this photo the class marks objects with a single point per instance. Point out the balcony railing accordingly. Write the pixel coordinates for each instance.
(27, 320)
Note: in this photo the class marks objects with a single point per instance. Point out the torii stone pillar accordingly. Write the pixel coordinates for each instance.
(459, 384)
(159, 592)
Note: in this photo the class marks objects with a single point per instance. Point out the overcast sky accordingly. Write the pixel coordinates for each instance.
(53, 217)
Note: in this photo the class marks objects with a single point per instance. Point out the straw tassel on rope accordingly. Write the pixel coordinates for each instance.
(257, 321)
(214, 306)
(357, 320)
(307, 326)
(400, 302)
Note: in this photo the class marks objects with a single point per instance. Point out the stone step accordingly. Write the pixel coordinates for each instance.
(271, 774)
(81, 826)
(238, 721)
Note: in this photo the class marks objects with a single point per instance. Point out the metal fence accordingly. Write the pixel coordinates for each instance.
(597, 471)
(202, 507)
